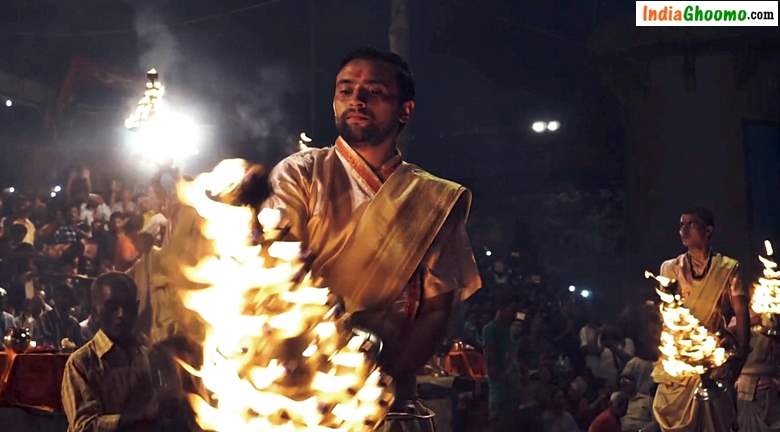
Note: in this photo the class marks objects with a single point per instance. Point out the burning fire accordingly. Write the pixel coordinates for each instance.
(766, 292)
(160, 135)
(687, 348)
(277, 354)
(147, 106)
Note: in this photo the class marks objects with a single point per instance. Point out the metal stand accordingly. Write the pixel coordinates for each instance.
(709, 389)
(716, 412)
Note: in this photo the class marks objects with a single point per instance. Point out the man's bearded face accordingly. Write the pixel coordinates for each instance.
(366, 102)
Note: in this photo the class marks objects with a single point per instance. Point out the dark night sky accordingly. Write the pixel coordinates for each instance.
(509, 63)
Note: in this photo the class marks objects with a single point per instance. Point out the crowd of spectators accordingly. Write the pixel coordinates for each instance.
(552, 362)
(54, 242)
(555, 362)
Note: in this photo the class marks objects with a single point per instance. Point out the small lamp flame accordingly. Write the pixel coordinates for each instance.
(765, 300)
(687, 348)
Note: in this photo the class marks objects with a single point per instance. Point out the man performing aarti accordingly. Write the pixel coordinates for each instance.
(758, 386)
(383, 234)
(710, 285)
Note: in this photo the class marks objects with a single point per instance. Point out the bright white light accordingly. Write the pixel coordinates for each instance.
(585, 293)
(9, 103)
(53, 194)
(305, 138)
(553, 126)
(57, 188)
(538, 126)
(488, 253)
(12, 189)
(168, 137)
(572, 288)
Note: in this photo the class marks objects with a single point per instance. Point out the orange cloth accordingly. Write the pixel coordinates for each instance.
(125, 254)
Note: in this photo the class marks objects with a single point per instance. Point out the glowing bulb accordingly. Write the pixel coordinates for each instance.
(53, 194)
(585, 293)
(538, 126)
(553, 126)
(12, 189)
(488, 253)
(9, 103)
(572, 288)
(57, 188)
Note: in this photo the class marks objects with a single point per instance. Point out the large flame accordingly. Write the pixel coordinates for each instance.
(687, 348)
(277, 353)
(766, 292)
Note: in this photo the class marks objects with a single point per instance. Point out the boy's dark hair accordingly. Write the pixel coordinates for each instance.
(402, 72)
(703, 214)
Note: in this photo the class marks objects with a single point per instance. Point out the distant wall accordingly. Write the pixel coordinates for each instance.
(685, 145)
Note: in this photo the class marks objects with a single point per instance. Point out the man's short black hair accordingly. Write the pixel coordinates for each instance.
(63, 291)
(402, 72)
(17, 232)
(116, 280)
(704, 214)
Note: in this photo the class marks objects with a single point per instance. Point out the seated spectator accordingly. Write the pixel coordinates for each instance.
(40, 210)
(499, 350)
(154, 221)
(107, 240)
(122, 199)
(640, 371)
(126, 252)
(21, 212)
(589, 342)
(609, 419)
(70, 232)
(107, 384)
(13, 253)
(613, 356)
(30, 318)
(7, 320)
(577, 405)
(100, 210)
(639, 413)
(58, 324)
(555, 418)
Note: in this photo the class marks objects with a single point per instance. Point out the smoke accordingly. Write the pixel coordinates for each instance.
(262, 108)
(249, 99)
(157, 45)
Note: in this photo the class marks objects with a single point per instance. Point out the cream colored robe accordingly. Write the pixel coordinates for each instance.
(675, 407)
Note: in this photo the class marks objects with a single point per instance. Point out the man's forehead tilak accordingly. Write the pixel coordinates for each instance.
(366, 71)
